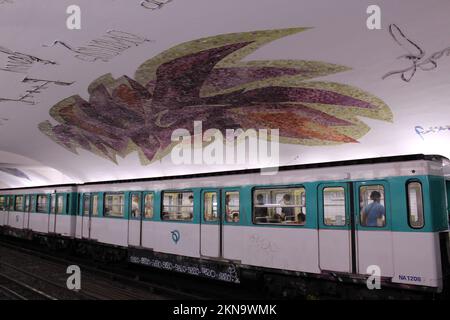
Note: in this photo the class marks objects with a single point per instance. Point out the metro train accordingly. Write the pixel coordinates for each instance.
(305, 224)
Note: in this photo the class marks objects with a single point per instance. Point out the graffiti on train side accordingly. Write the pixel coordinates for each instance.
(267, 249)
(264, 244)
(227, 273)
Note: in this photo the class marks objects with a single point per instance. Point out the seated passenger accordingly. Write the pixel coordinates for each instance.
(301, 218)
(373, 211)
(191, 208)
(235, 217)
(135, 210)
(260, 212)
(287, 212)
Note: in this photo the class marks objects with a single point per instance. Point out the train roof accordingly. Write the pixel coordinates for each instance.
(365, 161)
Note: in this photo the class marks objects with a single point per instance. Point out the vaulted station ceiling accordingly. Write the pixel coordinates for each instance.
(102, 102)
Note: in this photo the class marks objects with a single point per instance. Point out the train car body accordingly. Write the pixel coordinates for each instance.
(48, 210)
(345, 221)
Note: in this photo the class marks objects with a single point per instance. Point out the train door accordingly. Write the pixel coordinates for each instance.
(336, 231)
(135, 218)
(211, 223)
(373, 227)
(86, 218)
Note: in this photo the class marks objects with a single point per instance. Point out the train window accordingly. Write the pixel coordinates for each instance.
(59, 203)
(178, 206)
(86, 204)
(19, 203)
(334, 206)
(210, 206)
(9, 203)
(27, 204)
(372, 206)
(33, 204)
(232, 206)
(415, 205)
(94, 199)
(279, 206)
(42, 203)
(2, 203)
(114, 204)
(148, 205)
(135, 205)
(53, 206)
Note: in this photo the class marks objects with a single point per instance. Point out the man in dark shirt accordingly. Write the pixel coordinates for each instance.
(260, 212)
(288, 213)
(374, 211)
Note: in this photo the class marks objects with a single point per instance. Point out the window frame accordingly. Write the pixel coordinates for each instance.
(275, 187)
(91, 205)
(25, 208)
(64, 203)
(48, 202)
(15, 202)
(55, 209)
(141, 205)
(144, 195)
(387, 204)
(33, 203)
(347, 200)
(82, 207)
(224, 214)
(178, 220)
(124, 212)
(218, 206)
(11, 202)
(3, 208)
(408, 209)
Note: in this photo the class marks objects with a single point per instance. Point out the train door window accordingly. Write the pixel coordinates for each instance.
(27, 204)
(210, 206)
(178, 206)
(114, 204)
(86, 204)
(59, 203)
(415, 205)
(372, 206)
(279, 206)
(148, 206)
(232, 206)
(2, 203)
(94, 200)
(135, 205)
(9, 203)
(334, 206)
(33, 204)
(42, 203)
(53, 201)
(19, 203)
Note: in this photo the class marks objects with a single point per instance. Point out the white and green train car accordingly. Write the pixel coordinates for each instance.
(334, 222)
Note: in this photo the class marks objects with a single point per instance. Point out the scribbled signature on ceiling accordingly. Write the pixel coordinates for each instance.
(206, 80)
(415, 56)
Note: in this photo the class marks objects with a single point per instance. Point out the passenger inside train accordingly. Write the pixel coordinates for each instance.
(373, 214)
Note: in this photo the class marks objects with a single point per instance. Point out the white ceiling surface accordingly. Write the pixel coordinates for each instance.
(339, 35)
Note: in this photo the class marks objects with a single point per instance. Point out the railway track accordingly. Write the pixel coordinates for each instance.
(96, 283)
(18, 290)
